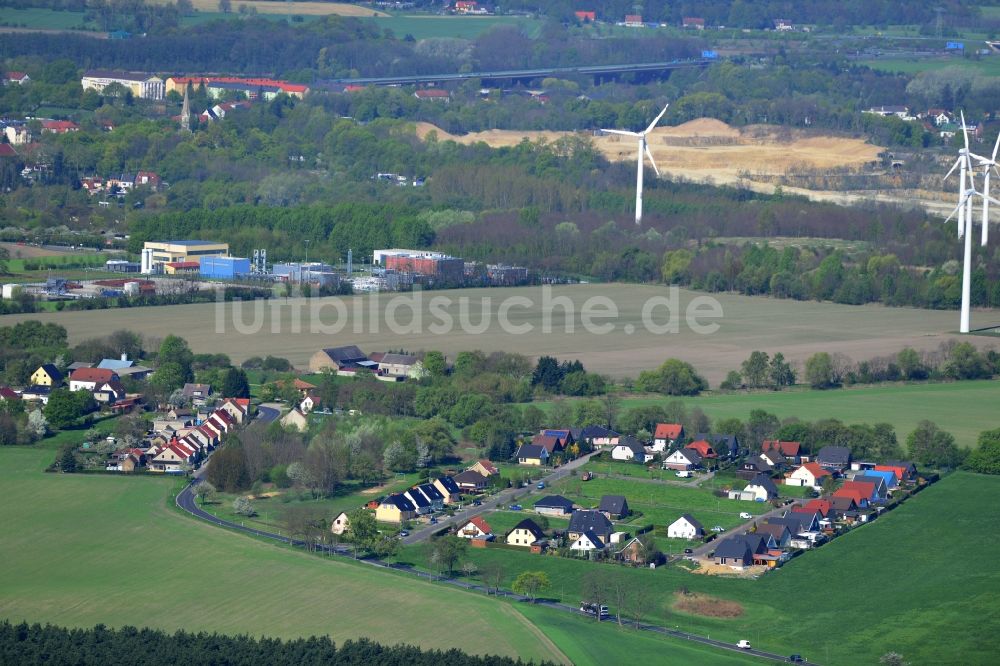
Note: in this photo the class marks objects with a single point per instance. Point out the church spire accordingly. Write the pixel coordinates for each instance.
(186, 112)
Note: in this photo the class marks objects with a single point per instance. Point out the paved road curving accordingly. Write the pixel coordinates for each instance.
(186, 501)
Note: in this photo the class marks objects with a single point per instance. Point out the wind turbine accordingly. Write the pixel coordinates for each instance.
(643, 153)
(966, 193)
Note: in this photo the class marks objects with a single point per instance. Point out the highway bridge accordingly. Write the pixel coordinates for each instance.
(596, 71)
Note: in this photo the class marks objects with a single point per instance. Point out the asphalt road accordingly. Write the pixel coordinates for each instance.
(489, 504)
(703, 551)
(186, 501)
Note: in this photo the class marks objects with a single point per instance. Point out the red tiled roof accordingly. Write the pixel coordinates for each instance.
(668, 431)
(790, 449)
(820, 506)
(815, 470)
(489, 467)
(481, 523)
(7, 393)
(59, 125)
(702, 447)
(547, 442)
(15, 76)
(302, 385)
(284, 86)
(7, 150)
(97, 375)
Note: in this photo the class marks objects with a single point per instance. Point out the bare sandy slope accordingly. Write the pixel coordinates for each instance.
(798, 329)
(706, 147)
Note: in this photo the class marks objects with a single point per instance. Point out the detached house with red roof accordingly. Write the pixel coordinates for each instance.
(90, 379)
(433, 94)
(667, 435)
(860, 493)
(703, 448)
(59, 127)
(476, 528)
(809, 474)
(16, 78)
(789, 450)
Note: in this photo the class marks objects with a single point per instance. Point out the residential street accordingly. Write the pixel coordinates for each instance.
(702, 551)
(489, 504)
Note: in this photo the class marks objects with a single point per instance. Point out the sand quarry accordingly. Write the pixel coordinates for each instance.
(709, 150)
(706, 148)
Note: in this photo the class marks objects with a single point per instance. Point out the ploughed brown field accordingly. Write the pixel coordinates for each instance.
(295, 328)
(301, 8)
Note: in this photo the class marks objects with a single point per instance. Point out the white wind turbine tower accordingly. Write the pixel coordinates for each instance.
(643, 153)
(966, 192)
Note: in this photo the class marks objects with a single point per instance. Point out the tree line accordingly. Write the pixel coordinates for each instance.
(24, 643)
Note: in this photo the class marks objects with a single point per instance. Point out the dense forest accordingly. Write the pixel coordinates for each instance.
(33, 644)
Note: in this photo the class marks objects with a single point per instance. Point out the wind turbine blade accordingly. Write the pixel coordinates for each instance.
(954, 166)
(965, 133)
(620, 132)
(653, 124)
(649, 154)
(955, 210)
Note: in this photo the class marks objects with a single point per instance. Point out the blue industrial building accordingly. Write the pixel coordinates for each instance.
(224, 268)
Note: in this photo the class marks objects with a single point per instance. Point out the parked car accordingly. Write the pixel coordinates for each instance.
(688, 551)
(746, 516)
(476, 502)
(796, 658)
(515, 507)
(541, 485)
(404, 533)
(743, 645)
(593, 609)
(683, 474)
(718, 528)
(434, 520)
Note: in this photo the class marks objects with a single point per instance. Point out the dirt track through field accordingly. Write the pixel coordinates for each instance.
(798, 329)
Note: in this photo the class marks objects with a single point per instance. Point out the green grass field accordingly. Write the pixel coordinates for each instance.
(661, 504)
(463, 27)
(920, 573)
(44, 19)
(989, 65)
(957, 407)
(85, 549)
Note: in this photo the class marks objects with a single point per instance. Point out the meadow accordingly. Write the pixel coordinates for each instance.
(460, 27)
(963, 409)
(45, 19)
(919, 581)
(469, 319)
(86, 549)
(989, 65)
(660, 504)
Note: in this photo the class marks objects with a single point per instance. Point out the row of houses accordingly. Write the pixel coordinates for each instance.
(858, 500)
(175, 446)
(103, 381)
(427, 498)
(120, 184)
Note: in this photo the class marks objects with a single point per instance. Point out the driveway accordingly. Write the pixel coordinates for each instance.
(491, 503)
(703, 551)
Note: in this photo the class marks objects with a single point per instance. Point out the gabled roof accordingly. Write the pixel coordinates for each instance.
(52, 371)
(775, 530)
(671, 431)
(398, 359)
(724, 441)
(432, 493)
(528, 451)
(787, 449)
(400, 502)
(115, 363)
(765, 482)
(691, 455)
(417, 497)
(96, 375)
(469, 477)
(596, 431)
(878, 482)
(692, 521)
(345, 355)
(703, 448)
(593, 538)
(488, 466)
(7, 393)
(555, 502)
(820, 506)
(7, 150)
(548, 442)
(449, 484)
(531, 526)
(733, 548)
(481, 524)
(432, 93)
(613, 504)
(581, 521)
(632, 444)
(814, 469)
(866, 489)
(843, 503)
(758, 463)
(834, 455)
